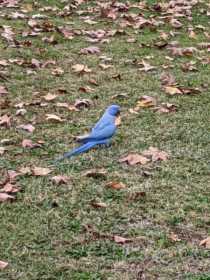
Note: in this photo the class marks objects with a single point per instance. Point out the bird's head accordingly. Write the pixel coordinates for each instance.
(114, 110)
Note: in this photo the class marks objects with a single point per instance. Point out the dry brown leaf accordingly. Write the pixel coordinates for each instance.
(3, 90)
(205, 242)
(52, 117)
(172, 90)
(95, 173)
(90, 50)
(5, 120)
(3, 265)
(10, 188)
(156, 154)
(145, 102)
(116, 185)
(27, 143)
(2, 151)
(57, 71)
(82, 103)
(146, 66)
(50, 97)
(86, 89)
(166, 108)
(176, 23)
(25, 170)
(41, 171)
(121, 240)
(28, 127)
(133, 159)
(104, 66)
(99, 204)
(60, 179)
(5, 197)
(167, 79)
(81, 69)
(66, 32)
(174, 237)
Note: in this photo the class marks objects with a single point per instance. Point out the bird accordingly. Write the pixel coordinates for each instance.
(100, 134)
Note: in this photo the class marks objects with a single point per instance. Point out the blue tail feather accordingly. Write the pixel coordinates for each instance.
(81, 149)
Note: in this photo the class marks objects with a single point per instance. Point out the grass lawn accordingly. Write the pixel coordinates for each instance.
(52, 231)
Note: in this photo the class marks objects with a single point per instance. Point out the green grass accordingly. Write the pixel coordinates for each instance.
(43, 233)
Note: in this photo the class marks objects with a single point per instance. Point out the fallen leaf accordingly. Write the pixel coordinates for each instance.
(121, 240)
(53, 117)
(156, 154)
(3, 264)
(5, 197)
(3, 90)
(5, 120)
(25, 170)
(81, 69)
(80, 103)
(133, 159)
(146, 66)
(99, 204)
(105, 66)
(28, 127)
(145, 102)
(41, 171)
(2, 151)
(167, 79)
(49, 97)
(116, 185)
(205, 242)
(27, 143)
(86, 89)
(172, 90)
(10, 188)
(95, 173)
(174, 237)
(60, 179)
(90, 50)
(66, 32)
(166, 108)
(57, 71)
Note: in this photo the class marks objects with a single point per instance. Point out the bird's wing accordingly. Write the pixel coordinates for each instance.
(103, 133)
(105, 120)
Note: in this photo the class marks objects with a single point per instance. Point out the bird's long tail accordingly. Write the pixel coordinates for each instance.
(81, 149)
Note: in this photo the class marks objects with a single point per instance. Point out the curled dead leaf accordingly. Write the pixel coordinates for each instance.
(116, 185)
(82, 103)
(96, 173)
(133, 159)
(60, 179)
(205, 242)
(28, 127)
(50, 97)
(156, 154)
(121, 240)
(2, 151)
(3, 90)
(90, 50)
(81, 69)
(41, 171)
(5, 120)
(145, 102)
(3, 264)
(6, 197)
(98, 204)
(52, 117)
